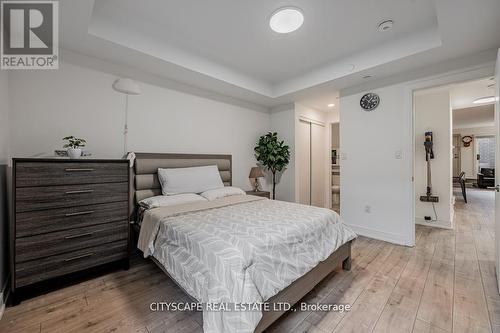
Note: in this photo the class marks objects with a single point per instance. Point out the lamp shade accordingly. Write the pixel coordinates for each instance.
(255, 172)
(127, 86)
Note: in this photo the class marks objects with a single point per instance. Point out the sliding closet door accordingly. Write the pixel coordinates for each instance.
(318, 165)
(304, 162)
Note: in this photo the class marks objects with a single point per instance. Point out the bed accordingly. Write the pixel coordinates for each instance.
(245, 281)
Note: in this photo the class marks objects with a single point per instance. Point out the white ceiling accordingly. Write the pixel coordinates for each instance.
(464, 94)
(466, 114)
(226, 46)
(479, 116)
(236, 34)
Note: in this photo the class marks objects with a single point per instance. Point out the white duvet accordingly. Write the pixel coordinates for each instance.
(239, 249)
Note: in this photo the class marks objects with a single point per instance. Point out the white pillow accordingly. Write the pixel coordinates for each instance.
(189, 180)
(170, 200)
(222, 192)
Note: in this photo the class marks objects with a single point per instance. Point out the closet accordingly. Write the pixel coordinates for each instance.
(311, 148)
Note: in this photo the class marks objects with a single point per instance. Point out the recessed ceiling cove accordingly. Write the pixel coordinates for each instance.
(231, 40)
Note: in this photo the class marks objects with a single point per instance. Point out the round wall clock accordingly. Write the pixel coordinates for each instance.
(466, 140)
(369, 102)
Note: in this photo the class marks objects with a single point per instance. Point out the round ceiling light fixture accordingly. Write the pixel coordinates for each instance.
(385, 25)
(331, 105)
(286, 20)
(487, 99)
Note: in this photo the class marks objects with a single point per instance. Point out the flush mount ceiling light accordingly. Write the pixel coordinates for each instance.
(286, 20)
(331, 105)
(385, 25)
(487, 99)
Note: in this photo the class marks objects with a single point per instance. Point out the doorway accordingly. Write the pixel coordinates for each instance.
(462, 128)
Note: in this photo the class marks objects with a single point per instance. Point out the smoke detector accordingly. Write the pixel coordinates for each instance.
(385, 25)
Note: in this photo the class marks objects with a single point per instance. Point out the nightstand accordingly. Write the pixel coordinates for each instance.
(264, 194)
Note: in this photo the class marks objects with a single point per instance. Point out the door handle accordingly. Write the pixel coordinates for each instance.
(496, 188)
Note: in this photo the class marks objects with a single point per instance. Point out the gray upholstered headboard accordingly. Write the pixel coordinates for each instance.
(145, 178)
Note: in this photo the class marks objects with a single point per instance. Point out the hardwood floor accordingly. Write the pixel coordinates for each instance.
(446, 283)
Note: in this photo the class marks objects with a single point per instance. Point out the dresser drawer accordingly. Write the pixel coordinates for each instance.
(42, 269)
(44, 221)
(36, 198)
(30, 174)
(40, 246)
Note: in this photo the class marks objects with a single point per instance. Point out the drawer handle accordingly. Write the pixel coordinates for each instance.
(79, 235)
(80, 213)
(79, 192)
(79, 169)
(79, 257)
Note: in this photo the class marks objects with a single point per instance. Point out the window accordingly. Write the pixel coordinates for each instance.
(486, 152)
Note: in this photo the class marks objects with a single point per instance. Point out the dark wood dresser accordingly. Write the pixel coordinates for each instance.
(68, 216)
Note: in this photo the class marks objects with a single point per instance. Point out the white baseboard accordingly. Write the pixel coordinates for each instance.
(380, 235)
(437, 224)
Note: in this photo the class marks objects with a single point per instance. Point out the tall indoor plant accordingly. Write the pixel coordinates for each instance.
(273, 154)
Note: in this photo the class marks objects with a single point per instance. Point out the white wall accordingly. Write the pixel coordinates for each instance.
(376, 189)
(283, 122)
(48, 105)
(432, 111)
(468, 162)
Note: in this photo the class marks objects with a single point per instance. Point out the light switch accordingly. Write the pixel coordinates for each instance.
(398, 154)
(344, 156)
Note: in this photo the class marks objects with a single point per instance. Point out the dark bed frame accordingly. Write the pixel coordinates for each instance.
(144, 184)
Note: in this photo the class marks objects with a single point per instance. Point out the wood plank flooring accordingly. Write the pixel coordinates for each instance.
(446, 283)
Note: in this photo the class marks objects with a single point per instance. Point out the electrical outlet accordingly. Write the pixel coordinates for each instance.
(368, 209)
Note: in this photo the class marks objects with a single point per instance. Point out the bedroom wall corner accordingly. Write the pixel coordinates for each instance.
(282, 122)
(4, 158)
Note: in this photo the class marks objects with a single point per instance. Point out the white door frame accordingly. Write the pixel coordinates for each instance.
(466, 74)
(497, 176)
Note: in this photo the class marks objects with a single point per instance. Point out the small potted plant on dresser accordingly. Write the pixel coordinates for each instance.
(74, 146)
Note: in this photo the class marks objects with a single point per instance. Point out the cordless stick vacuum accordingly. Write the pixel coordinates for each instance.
(429, 154)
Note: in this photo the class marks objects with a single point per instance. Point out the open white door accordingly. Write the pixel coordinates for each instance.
(497, 167)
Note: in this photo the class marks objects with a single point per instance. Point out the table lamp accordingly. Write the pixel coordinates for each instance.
(255, 174)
